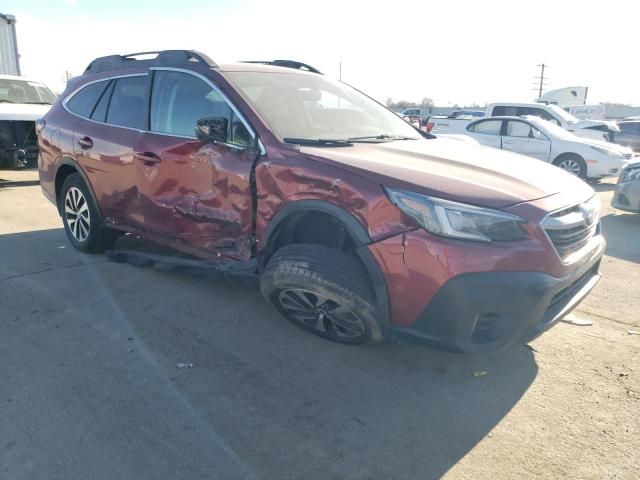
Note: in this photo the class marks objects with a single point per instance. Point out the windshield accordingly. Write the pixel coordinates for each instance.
(306, 106)
(22, 91)
(566, 116)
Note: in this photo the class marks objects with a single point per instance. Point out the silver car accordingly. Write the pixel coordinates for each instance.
(627, 194)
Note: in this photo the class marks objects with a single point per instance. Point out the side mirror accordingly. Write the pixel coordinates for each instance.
(212, 129)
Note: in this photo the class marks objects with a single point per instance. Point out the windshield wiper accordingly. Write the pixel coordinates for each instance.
(6, 101)
(38, 103)
(328, 142)
(383, 136)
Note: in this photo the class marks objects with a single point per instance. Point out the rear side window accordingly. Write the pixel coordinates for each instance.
(84, 100)
(127, 106)
(487, 127)
(100, 112)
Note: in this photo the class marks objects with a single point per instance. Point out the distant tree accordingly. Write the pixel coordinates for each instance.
(427, 102)
(389, 102)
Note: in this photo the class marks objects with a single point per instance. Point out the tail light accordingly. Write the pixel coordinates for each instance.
(429, 126)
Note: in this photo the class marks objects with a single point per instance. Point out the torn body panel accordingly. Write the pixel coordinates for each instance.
(209, 208)
(288, 176)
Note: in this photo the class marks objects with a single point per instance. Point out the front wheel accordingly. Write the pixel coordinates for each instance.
(572, 164)
(82, 221)
(324, 291)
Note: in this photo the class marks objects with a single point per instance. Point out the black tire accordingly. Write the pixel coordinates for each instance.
(98, 237)
(573, 159)
(301, 280)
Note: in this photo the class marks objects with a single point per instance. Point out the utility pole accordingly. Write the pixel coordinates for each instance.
(340, 74)
(541, 79)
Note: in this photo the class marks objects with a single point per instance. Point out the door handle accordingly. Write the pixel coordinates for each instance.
(148, 158)
(85, 143)
(508, 142)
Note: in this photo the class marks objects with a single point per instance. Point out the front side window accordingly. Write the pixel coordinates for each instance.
(127, 105)
(313, 107)
(487, 127)
(84, 100)
(179, 100)
(519, 129)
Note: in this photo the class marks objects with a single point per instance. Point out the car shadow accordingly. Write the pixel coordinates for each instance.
(622, 231)
(21, 183)
(191, 375)
(603, 187)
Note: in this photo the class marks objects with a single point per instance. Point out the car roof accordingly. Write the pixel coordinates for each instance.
(259, 67)
(516, 104)
(506, 117)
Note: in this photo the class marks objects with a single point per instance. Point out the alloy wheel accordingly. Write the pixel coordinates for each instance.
(320, 313)
(570, 165)
(76, 211)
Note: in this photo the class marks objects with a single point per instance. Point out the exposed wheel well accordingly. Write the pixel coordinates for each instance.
(309, 226)
(312, 227)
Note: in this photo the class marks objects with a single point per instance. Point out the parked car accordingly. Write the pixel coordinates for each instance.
(629, 134)
(467, 113)
(627, 193)
(357, 224)
(546, 141)
(593, 129)
(414, 112)
(22, 102)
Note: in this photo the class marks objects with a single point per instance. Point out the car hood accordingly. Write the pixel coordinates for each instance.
(22, 111)
(594, 123)
(626, 151)
(455, 170)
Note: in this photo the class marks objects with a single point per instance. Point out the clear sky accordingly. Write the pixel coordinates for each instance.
(452, 51)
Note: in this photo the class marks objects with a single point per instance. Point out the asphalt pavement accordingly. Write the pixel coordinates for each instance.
(116, 371)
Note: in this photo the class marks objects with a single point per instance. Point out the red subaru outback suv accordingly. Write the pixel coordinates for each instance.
(357, 224)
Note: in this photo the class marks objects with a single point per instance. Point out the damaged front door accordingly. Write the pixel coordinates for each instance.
(195, 193)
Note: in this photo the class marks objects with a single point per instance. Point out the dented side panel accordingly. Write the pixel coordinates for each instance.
(198, 193)
(287, 176)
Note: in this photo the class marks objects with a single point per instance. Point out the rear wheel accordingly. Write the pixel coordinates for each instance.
(82, 221)
(573, 164)
(323, 291)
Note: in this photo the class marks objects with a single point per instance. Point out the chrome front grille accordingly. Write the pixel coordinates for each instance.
(571, 228)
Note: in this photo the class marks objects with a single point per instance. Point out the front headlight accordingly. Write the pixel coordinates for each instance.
(608, 152)
(630, 174)
(457, 220)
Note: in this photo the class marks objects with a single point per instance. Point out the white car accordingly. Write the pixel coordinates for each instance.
(22, 102)
(594, 129)
(546, 141)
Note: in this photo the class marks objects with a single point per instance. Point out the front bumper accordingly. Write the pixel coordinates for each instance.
(481, 302)
(627, 196)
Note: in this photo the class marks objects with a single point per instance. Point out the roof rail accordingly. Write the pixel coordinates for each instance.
(286, 63)
(163, 58)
